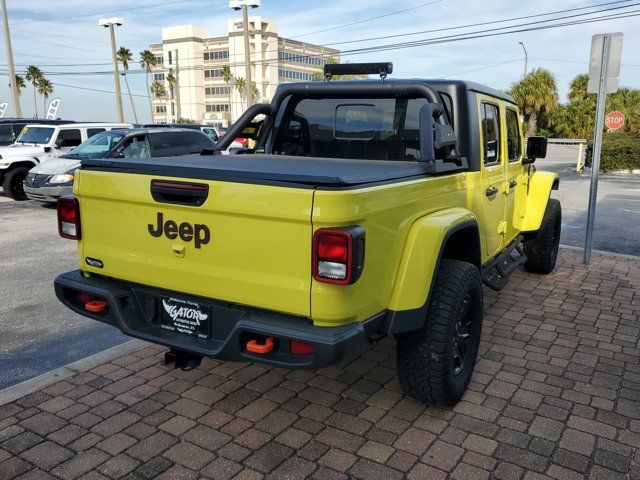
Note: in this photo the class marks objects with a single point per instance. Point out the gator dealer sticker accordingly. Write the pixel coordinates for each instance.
(185, 317)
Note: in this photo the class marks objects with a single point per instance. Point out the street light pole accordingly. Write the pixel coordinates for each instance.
(526, 58)
(248, 90)
(244, 5)
(17, 112)
(111, 23)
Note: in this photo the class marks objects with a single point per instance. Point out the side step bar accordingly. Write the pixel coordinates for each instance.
(495, 274)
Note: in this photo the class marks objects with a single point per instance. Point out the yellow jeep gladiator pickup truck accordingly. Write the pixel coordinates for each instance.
(366, 208)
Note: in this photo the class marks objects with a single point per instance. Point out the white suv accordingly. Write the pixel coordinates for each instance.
(39, 143)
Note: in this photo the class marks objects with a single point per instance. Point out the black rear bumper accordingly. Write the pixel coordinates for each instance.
(135, 310)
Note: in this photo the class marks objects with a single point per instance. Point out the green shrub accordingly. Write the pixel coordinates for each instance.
(620, 151)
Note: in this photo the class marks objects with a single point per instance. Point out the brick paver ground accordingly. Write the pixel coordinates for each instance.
(556, 394)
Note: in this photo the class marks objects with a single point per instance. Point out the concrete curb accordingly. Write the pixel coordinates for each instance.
(602, 252)
(14, 392)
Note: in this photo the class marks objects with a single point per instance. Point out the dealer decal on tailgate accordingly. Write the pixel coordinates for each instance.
(199, 233)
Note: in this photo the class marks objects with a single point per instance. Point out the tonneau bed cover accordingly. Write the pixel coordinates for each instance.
(308, 171)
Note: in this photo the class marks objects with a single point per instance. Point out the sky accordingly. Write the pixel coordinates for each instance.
(63, 38)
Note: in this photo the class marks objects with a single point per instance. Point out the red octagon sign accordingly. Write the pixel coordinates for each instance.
(614, 120)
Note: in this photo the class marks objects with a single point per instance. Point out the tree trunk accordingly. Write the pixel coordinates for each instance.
(149, 94)
(35, 102)
(44, 107)
(533, 123)
(133, 107)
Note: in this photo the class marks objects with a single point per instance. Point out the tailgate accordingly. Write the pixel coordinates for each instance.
(248, 244)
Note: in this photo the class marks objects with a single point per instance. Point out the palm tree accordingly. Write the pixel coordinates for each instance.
(227, 76)
(148, 60)
(171, 80)
(535, 93)
(45, 88)
(240, 84)
(578, 88)
(254, 90)
(158, 90)
(19, 84)
(34, 74)
(124, 56)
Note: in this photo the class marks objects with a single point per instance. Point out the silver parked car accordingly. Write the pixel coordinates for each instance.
(48, 181)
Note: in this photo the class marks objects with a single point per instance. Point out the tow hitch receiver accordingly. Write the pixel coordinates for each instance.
(185, 361)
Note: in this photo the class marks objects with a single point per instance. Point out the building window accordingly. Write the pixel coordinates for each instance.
(306, 59)
(213, 73)
(161, 109)
(159, 60)
(292, 74)
(217, 90)
(158, 77)
(170, 57)
(219, 55)
(218, 107)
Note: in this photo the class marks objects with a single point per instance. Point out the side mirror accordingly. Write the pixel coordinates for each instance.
(46, 149)
(59, 143)
(536, 148)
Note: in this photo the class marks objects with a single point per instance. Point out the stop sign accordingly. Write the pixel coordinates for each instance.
(614, 120)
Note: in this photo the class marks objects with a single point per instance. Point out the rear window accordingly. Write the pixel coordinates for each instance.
(371, 129)
(179, 143)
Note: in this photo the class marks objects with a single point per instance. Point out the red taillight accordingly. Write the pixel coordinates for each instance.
(338, 254)
(301, 348)
(69, 218)
(333, 248)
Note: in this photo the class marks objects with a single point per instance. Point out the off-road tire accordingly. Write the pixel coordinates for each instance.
(542, 249)
(12, 184)
(425, 357)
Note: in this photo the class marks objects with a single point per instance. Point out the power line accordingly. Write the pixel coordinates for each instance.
(367, 19)
(483, 33)
(513, 19)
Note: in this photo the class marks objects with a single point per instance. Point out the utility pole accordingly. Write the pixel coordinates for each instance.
(17, 112)
(177, 89)
(248, 88)
(526, 59)
(110, 23)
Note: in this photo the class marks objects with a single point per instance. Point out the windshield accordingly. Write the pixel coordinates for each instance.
(98, 145)
(35, 135)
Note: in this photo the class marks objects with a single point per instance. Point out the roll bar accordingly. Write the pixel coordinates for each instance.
(236, 129)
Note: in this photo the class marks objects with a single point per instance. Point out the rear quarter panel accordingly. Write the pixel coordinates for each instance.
(386, 212)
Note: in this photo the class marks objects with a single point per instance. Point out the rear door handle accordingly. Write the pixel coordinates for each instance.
(491, 191)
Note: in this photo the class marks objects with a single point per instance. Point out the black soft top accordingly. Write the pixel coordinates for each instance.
(270, 169)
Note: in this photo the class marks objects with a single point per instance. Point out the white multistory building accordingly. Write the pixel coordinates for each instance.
(196, 60)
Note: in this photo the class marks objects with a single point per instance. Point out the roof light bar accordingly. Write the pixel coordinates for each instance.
(383, 69)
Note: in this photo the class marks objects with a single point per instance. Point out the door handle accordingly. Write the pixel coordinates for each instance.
(491, 191)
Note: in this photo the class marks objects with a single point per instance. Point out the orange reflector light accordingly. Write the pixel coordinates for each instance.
(301, 348)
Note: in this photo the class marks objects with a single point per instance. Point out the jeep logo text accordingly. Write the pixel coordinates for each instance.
(199, 233)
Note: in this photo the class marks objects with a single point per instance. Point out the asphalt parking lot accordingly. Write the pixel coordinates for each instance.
(555, 395)
(617, 226)
(38, 332)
